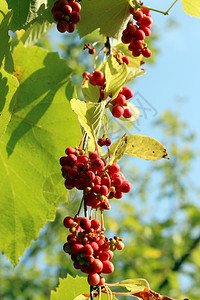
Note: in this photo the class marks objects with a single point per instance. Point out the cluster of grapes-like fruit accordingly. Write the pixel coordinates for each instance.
(119, 104)
(90, 250)
(67, 14)
(134, 34)
(88, 173)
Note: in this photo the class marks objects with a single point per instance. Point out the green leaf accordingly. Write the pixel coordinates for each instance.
(143, 147)
(26, 12)
(41, 127)
(118, 150)
(111, 16)
(115, 75)
(8, 86)
(34, 33)
(133, 285)
(5, 53)
(89, 115)
(192, 8)
(90, 92)
(133, 73)
(70, 288)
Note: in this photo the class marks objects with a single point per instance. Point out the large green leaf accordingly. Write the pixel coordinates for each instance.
(26, 12)
(144, 147)
(8, 86)
(192, 8)
(89, 115)
(111, 16)
(118, 150)
(5, 53)
(69, 288)
(41, 127)
(90, 92)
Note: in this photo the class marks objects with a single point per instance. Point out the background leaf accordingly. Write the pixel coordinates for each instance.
(192, 8)
(143, 147)
(111, 16)
(8, 86)
(36, 138)
(89, 115)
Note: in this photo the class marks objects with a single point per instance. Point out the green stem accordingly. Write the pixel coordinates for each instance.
(136, 5)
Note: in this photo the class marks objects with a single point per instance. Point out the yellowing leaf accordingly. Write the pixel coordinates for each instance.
(119, 150)
(90, 92)
(192, 8)
(143, 147)
(133, 285)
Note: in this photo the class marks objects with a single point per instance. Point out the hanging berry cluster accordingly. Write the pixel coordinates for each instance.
(134, 34)
(90, 250)
(67, 14)
(119, 104)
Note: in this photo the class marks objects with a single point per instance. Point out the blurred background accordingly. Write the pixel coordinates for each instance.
(160, 218)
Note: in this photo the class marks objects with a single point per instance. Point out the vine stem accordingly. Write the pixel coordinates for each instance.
(136, 5)
(91, 293)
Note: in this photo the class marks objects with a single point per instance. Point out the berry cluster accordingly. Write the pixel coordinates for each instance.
(104, 142)
(134, 34)
(67, 14)
(88, 173)
(90, 250)
(97, 78)
(119, 104)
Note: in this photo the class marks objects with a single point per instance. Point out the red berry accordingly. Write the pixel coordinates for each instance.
(70, 150)
(126, 60)
(146, 30)
(93, 155)
(127, 113)
(95, 224)
(76, 248)
(97, 164)
(94, 246)
(85, 223)
(103, 256)
(127, 92)
(67, 9)
(138, 15)
(120, 100)
(75, 17)
(146, 21)
(139, 35)
(75, 6)
(102, 281)
(114, 168)
(69, 183)
(126, 37)
(92, 51)
(108, 267)
(145, 11)
(125, 187)
(96, 189)
(86, 75)
(118, 194)
(136, 52)
(117, 111)
(63, 160)
(101, 142)
(93, 278)
(131, 28)
(96, 266)
(107, 142)
(71, 28)
(104, 190)
(67, 222)
(62, 26)
(146, 52)
(58, 16)
(87, 249)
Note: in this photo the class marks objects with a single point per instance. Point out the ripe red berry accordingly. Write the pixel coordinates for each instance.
(95, 224)
(114, 168)
(85, 223)
(93, 278)
(58, 16)
(96, 265)
(71, 28)
(75, 17)
(125, 187)
(67, 9)
(93, 155)
(107, 142)
(127, 113)
(62, 26)
(126, 37)
(70, 150)
(127, 92)
(139, 35)
(117, 111)
(146, 21)
(75, 6)
(146, 52)
(108, 267)
(131, 28)
(86, 75)
(120, 100)
(126, 60)
(67, 222)
(87, 249)
(101, 142)
(92, 51)
(76, 248)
